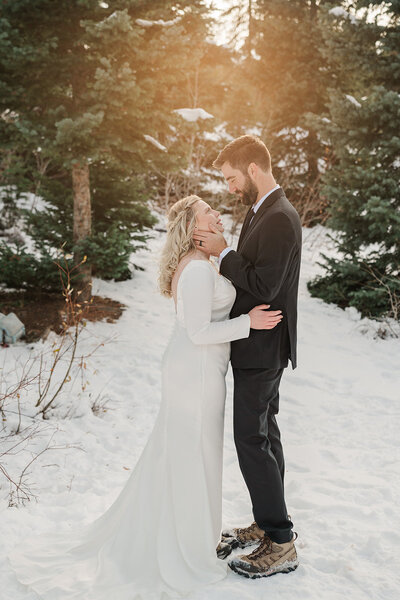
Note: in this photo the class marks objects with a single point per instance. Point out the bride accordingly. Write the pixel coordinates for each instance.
(158, 539)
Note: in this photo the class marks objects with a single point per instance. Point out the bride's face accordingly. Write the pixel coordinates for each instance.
(206, 216)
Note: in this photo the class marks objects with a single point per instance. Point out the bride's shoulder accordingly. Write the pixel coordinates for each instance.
(195, 264)
(201, 263)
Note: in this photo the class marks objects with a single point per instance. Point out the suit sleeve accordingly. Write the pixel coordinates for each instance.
(197, 290)
(264, 278)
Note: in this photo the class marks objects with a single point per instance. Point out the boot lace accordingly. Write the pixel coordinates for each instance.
(248, 529)
(264, 548)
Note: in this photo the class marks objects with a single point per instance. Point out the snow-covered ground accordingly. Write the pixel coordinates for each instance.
(339, 423)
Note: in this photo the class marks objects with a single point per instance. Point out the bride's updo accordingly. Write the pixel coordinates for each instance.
(180, 228)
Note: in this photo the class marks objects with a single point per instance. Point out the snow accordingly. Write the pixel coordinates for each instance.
(147, 23)
(193, 114)
(155, 142)
(353, 100)
(255, 130)
(16, 232)
(213, 185)
(211, 136)
(322, 164)
(351, 150)
(218, 134)
(298, 132)
(337, 416)
(26, 200)
(339, 11)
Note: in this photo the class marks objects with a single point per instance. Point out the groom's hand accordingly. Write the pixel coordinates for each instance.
(210, 242)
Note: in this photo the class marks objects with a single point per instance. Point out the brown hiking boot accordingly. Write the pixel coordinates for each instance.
(267, 559)
(223, 550)
(241, 537)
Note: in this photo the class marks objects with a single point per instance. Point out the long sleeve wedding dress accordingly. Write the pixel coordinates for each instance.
(158, 539)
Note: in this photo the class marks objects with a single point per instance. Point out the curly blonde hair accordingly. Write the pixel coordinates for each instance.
(180, 228)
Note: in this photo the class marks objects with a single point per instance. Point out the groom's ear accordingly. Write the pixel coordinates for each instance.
(252, 170)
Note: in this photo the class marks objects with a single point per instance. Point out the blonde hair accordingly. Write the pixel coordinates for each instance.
(180, 228)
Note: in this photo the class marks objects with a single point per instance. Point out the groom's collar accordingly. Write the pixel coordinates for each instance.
(261, 200)
(273, 196)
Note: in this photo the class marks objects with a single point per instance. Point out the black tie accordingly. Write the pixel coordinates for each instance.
(252, 212)
(246, 224)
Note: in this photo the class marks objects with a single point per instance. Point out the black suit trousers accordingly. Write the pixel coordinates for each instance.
(259, 448)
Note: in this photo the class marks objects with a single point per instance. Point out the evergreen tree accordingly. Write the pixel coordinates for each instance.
(82, 83)
(118, 221)
(363, 183)
(197, 81)
(281, 79)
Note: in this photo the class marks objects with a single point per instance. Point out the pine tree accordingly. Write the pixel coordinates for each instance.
(362, 185)
(81, 85)
(195, 81)
(281, 79)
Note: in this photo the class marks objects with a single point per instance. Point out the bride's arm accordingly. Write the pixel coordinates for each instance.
(197, 290)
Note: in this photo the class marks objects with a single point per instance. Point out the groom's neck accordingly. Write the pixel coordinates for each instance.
(265, 184)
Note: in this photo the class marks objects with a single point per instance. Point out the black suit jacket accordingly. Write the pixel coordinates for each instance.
(265, 269)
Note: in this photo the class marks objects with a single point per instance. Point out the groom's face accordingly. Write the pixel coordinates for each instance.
(240, 183)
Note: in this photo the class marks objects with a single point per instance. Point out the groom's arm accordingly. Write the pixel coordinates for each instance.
(275, 247)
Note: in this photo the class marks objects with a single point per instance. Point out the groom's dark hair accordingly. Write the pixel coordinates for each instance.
(242, 151)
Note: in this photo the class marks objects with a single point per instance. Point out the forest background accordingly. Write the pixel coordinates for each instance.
(111, 111)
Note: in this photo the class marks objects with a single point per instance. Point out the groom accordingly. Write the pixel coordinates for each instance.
(264, 269)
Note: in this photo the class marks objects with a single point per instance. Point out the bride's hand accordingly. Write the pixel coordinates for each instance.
(264, 319)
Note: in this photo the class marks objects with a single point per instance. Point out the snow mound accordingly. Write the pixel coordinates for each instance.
(339, 11)
(161, 22)
(353, 100)
(155, 143)
(193, 114)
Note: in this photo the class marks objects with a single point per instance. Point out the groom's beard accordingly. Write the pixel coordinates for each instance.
(248, 195)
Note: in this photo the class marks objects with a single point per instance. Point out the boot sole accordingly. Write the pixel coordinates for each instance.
(288, 569)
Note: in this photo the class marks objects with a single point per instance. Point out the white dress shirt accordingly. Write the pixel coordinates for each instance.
(255, 209)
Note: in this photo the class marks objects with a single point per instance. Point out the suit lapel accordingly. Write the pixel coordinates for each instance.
(244, 226)
(258, 216)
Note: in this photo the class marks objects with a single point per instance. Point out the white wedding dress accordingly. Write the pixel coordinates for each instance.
(158, 539)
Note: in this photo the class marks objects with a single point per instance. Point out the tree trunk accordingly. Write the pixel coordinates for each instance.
(249, 41)
(311, 148)
(82, 226)
(312, 139)
(313, 9)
